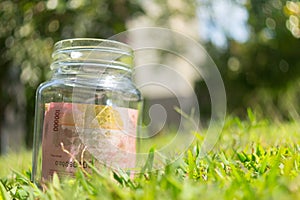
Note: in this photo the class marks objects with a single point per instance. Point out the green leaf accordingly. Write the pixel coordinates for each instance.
(251, 116)
(263, 166)
(191, 163)
(4, 194)
(55, 181)
(149, 163)
(242, 157)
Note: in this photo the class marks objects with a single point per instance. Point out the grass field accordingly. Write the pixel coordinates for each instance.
(253, 159)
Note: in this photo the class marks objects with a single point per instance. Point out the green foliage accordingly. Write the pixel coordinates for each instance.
(253, 159)
(263, 72)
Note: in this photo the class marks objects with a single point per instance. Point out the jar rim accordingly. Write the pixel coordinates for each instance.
(92, 43)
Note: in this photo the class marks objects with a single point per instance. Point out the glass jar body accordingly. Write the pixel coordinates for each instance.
(86, 114)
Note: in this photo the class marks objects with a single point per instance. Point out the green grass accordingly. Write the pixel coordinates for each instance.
(14, 162)
(253, 159)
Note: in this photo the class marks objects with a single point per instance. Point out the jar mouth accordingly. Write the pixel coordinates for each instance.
(92, 43)
(92, 50)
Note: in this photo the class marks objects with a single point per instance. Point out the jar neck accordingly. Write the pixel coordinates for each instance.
(91, 58)
(93, 70)
(102, 80)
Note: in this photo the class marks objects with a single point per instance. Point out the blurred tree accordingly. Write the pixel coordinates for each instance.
(28, 30)
(259, 72)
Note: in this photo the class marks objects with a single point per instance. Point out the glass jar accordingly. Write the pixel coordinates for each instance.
(88, 112)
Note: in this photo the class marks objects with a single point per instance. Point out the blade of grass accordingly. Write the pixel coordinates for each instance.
(4, 194)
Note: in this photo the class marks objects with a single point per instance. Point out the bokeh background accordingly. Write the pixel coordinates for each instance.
(254, 43)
